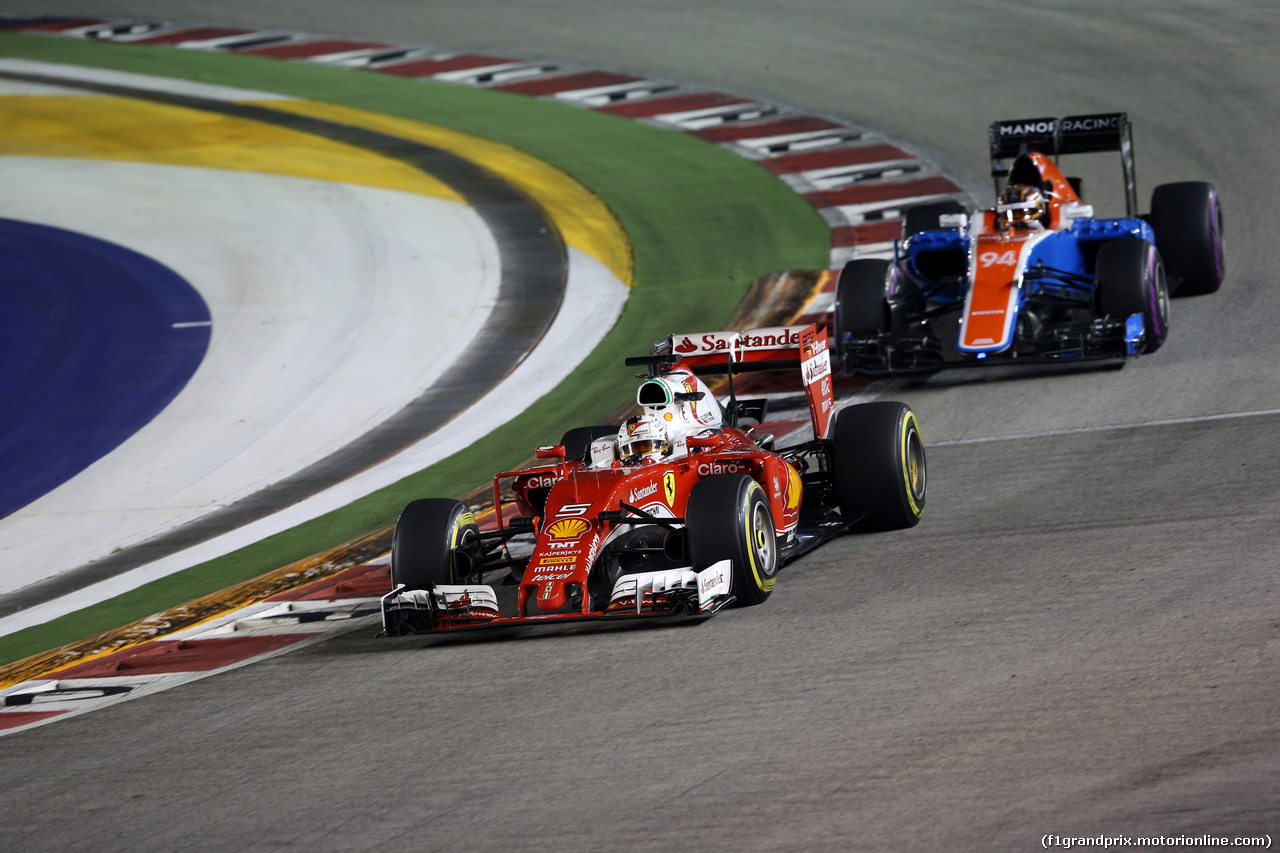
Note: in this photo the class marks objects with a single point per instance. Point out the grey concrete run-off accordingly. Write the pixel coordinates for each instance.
(1081, 638)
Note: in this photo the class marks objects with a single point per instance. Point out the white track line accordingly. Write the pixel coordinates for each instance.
(1261, 413)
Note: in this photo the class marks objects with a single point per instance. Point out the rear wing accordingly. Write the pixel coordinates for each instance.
(772, 348)
(1082, 134)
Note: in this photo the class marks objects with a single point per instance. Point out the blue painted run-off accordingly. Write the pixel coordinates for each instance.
(89, 352)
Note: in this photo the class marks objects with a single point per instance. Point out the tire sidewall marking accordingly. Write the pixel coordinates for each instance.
(908, 424)
(762, 583)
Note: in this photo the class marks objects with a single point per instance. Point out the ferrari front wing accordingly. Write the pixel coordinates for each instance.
(669, 592)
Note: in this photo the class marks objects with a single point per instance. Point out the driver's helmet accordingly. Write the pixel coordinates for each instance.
(1022, 205)
(640, 438)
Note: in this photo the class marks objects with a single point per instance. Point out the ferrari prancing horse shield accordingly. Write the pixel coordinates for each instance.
(669, 486)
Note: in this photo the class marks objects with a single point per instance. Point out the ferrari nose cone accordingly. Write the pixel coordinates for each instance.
(549, 595)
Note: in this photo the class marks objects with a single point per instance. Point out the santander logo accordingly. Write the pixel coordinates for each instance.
(686, 346)
(711, 583)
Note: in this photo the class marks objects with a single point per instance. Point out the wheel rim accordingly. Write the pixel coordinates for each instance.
(1159, 298)
(762, 539)
(463, 539)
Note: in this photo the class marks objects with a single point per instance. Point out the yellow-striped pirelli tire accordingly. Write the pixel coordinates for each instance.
(728, 518)
(436, 542)
(878, 465)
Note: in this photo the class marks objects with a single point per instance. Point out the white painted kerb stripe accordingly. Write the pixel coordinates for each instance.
(173, 86)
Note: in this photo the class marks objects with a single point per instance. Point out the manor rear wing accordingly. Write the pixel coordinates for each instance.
(1082, 134)
(771, 348)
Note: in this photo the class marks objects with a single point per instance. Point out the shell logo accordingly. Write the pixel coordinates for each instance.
(568, 528)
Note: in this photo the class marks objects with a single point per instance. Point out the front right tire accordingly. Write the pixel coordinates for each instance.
(924, 217)
(436, 541)
(861, 309)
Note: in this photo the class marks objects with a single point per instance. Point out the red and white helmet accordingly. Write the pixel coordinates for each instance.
(642, 437)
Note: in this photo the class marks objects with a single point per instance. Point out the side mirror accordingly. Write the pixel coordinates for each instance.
(550, 451)
(701, 442)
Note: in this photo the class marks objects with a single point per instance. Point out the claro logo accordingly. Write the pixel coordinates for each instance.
(707, 469)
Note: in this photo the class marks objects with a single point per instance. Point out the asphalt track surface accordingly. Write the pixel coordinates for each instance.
(1081, 637)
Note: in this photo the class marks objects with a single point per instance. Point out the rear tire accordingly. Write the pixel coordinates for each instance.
(878, 463)
(436, 542)
(1187, 219)
(1131, 280)
(861, 309)
(924, 217)
(577, 441)
(728, 518)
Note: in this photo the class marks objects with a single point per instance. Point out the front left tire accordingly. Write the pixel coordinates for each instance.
(861, 309)
(728, 518)
(1131, 280)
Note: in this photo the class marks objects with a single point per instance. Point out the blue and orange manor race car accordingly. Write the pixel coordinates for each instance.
(1038, 277)
(681, 511)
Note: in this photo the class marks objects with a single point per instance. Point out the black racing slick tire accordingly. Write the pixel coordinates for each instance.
(1131, 280)
(924, 217)
(861, 309)
(1187, 219)
(436, 541)
(577, 441)
(878, 463)
(728, 518)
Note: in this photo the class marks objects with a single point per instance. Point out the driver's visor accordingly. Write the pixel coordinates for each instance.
(1019, 211)
(644, 445)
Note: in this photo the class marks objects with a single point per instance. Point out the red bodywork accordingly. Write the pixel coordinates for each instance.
(570, 533)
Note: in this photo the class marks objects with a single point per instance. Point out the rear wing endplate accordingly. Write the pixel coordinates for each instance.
(1082, 134)
(770, 348)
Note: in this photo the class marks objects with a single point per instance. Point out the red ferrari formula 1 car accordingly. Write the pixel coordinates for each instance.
(681, 511)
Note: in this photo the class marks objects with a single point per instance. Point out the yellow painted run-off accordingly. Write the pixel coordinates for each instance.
(111, 128)
(117, 128)
(582, 218)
